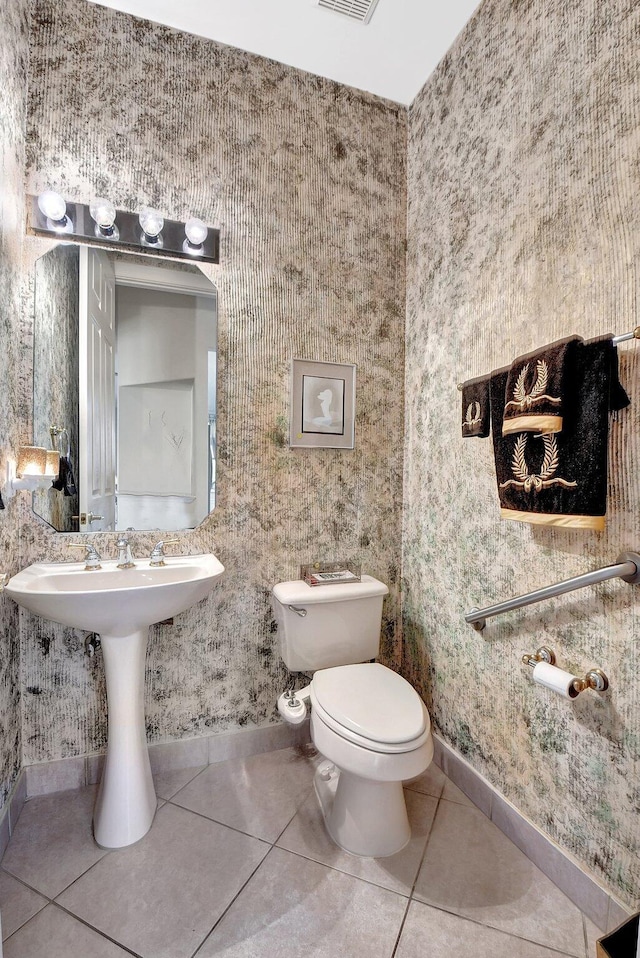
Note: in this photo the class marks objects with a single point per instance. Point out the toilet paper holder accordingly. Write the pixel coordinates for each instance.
(594, 679)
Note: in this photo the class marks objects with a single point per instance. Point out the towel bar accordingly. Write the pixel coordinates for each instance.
(634, 334)
(626, 568)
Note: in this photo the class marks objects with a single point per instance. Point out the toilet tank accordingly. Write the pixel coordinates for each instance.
(327, 625)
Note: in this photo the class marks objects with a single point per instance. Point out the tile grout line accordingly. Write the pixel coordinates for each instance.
(259, 865)
(51, 901)
(499, 931)
(234, 828)
(102, 934)
(334, 868)
(201, 769)
(47, 901)
(232, 902)
(55, 903)
(411, 898)
(216, 821)
(475, 921)
(585, 936)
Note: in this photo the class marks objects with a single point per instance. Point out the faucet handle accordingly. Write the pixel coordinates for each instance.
(157, 556)
(92, 557)
(125, 559)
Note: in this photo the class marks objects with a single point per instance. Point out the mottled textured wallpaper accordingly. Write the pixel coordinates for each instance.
(306, 180)
(13, 67)
(524, 227)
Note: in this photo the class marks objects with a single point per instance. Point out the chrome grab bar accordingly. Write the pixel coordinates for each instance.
(298, 610)
(626, 568)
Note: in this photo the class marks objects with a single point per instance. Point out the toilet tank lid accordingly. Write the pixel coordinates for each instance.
(289, 593)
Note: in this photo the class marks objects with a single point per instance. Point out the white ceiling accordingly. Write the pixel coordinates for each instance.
(392, 56)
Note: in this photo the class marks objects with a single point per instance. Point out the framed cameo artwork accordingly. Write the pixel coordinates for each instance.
(323, 404)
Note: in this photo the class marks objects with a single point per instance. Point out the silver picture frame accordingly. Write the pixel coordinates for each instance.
(323, 397)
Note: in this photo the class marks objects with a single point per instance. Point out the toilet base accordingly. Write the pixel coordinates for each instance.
(362, 817)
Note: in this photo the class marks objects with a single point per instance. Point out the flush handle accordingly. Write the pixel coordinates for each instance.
(298, 610)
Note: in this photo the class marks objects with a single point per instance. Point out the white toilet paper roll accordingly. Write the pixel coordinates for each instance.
(555, 679)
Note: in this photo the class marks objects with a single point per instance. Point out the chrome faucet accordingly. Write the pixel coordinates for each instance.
(125, 559)
(92, 558)
(157, 556)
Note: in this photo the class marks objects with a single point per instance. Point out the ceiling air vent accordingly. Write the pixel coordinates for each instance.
(361, 10)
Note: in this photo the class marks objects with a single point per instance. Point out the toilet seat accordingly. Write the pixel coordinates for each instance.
(371, 706)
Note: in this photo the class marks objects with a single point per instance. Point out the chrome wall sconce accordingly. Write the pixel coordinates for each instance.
(100, 222)
(36, 468)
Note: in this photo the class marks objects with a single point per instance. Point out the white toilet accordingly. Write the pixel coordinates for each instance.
(367, 721)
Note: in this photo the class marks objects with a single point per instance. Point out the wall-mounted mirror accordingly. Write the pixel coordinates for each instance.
(124, 385)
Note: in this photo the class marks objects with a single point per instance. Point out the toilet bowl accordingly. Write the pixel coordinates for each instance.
(374, 732)
(368, 723)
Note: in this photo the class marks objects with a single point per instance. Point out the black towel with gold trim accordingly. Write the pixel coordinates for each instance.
(476, 417)
(535, 392)
(560, 479)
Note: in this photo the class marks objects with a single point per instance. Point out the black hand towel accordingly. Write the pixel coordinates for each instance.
(65, 482)
(561, 479)
(535, 393)
(476, 417)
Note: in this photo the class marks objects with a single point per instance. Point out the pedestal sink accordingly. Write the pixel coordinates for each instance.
(119, 604)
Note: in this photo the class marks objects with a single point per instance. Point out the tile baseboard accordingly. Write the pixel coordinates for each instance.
(69, 773)
(591, 897)
(10, 812)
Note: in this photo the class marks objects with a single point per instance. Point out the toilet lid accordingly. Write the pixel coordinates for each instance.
(372, 701)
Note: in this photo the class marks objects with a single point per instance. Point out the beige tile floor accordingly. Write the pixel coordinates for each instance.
(237, 864)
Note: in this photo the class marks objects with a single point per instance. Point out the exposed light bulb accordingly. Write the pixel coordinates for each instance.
(196, 231)
(53, 207)
(151, 222)
(104, 213)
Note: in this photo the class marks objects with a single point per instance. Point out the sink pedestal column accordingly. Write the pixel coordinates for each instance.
(126, 799)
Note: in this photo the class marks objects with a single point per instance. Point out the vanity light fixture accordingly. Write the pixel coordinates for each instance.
(103, 213)
(196, 232)
(54, 208)
(101, 223)
(36, 468)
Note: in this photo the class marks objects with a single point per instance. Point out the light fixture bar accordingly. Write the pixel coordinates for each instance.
(128, 234)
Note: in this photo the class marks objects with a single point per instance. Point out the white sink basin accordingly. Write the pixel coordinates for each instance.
(120, 604)
(111, 600)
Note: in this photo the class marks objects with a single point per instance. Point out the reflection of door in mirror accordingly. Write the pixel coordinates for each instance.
(142, 392)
